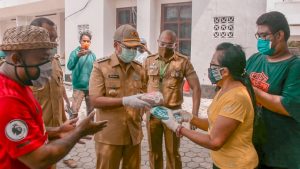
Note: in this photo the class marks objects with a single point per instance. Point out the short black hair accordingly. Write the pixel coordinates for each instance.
(86, 33)
(40, 21)
(276, 21)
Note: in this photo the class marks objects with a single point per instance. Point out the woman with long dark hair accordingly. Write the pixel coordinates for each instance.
(230, 115)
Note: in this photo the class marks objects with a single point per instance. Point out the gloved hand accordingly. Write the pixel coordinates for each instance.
(171, 122)
(134, 101)
(185, 116)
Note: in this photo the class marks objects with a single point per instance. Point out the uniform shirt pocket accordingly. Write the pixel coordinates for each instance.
(153, 77)
(113, 88)
(174, 79)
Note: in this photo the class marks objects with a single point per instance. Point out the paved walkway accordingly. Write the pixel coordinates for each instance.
(193, 156)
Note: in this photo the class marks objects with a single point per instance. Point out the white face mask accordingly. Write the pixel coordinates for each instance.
(45, 75)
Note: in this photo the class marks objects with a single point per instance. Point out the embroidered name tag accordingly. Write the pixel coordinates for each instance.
(114, 76)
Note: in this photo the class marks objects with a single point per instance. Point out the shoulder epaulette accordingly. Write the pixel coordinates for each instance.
(137, 62)
(102, 59)
(152, 55)
(181, 55)
(56, 56)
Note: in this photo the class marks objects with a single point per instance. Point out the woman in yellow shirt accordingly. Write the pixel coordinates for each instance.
(230, 115)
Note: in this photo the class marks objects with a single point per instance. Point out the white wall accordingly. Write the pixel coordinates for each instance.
(101, 17)
(203, 43)
(90, 15)
(11, 3)
(126, 3)
(146, 22)
(291, 9)
(58, 19)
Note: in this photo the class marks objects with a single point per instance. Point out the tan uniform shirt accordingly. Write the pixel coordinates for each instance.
(109, 80)
(51, 97)
(172, 82)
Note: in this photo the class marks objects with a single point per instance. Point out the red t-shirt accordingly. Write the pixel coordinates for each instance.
(21, 125)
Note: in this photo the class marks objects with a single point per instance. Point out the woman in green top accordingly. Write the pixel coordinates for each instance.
(81, 64)
(275, 75)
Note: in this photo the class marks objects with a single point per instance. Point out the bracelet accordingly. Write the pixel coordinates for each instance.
(178, 131)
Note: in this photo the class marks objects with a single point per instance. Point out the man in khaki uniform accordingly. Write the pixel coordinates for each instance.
(51, 96)
(115, 84)
(165, 72)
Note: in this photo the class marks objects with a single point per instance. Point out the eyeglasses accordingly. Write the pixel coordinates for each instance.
(165, 44)
(263, 36)
(214, 66)
(127, 47)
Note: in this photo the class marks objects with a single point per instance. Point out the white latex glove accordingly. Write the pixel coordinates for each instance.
(134, 101)
(171, 123)
(185, 116)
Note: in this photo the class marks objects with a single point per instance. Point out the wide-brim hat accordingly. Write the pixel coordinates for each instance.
(26, 37)
(127, 35)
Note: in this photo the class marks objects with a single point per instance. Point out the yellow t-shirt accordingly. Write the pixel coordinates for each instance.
(238, 152)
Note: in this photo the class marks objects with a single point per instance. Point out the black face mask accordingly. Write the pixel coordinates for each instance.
(165, 52)
(29, 78)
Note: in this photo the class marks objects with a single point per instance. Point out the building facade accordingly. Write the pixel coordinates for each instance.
(22, 12)
(199, 24)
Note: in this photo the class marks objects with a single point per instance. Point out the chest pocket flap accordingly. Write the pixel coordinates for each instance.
(113, 84)
(153, 72)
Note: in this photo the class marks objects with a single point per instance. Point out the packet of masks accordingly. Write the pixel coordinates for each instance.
(161, 113)
(153, 98)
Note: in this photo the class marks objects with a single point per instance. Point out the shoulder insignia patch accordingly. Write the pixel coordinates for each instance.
(16, 130)
(181, 55)
(56, 56)
(103, 59)
(152, 55)
(137, 62)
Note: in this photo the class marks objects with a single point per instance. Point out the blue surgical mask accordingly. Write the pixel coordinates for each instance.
(127, 55)
(264, 47)
(214, 75)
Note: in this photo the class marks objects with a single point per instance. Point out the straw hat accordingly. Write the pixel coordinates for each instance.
(26, 37)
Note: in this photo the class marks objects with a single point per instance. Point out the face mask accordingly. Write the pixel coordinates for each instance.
(214, 75)
(264, 47)
(165, 52)
(45, 75)
(53, 51)
(85, 46)
(127, 55)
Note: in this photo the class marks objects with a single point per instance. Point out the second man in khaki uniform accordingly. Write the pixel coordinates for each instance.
(165, 72)
(114, 84)
(52, 95)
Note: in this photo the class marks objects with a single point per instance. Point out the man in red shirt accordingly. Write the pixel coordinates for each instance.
(24, 139)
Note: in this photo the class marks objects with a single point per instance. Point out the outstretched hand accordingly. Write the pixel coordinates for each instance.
(88, 127)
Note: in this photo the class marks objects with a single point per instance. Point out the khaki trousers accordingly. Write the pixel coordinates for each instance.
(78, 96)
(156, 129)
(110, 156)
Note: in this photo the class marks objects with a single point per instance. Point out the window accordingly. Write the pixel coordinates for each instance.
(178, 18)
(223, 27)
(126, 16)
